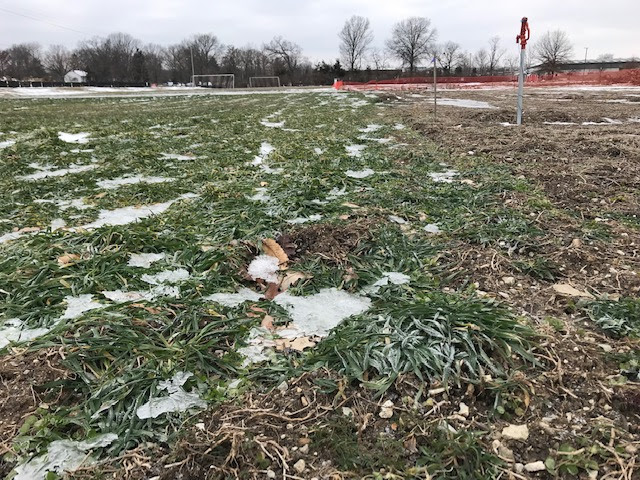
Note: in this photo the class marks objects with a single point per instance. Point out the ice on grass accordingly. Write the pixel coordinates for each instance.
(317, 314)
(117, 182)
(76, 306)
(261, 196)
(355, 150)
(370, 128)
(443, 177)
(318, 151)
(119, 296)
(265, 150)
(6, 144)
(335, 193)
(176, 156)
(57, 224)
(300, 220)
(259, 347)
(264, 267)
(432, 228)
(394, 278)
(7, 237)
(398, 126)
(45, 172)
(396, 219)
(144, 260)
(178, 400)
(62, 456)
(234, 299)
(14, 330)
(379, 140)
(265, 122)
(463, 103)
(166, 276)
(367, 172)
(82, 137)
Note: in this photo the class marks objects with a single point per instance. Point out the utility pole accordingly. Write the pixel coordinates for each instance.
(435, 87)
(193, 71)
(522, 39)
(586, 49)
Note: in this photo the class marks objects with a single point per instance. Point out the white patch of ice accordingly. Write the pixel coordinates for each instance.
(269, 124)
(318, 151)
(82, 137)
(432, 228)
(76, 306)
(179, 400)
(269, 170)
(62, 456)
(57, 224)
(7, 143)
(261, 196)
(317, 314)
(45, 173)
(355, 150)
(14, 330)
(399, 126)
(166, 276)
(7, 237)
(370, 128)
(379, 140)
(234, 299)
(300, 220)
(463, 103)
(397, 219)
(116, 182)
(560, 123)
(119, 296)
(335, 193)
(395, 278)
(443, 177)
(144, 260)
(367, 172)
(264, 267)
(86, 150)
(176, 156)
(259, 347)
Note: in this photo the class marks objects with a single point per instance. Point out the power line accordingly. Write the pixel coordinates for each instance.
(43, 21)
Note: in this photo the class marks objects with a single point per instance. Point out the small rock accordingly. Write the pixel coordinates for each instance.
(607, 348)
(304, 449)
(271, 474)
(631, 449)
(200, 426)
(516, 432)
(508, 280)
(283, 387)
(386, 411)
(535, 466)
(464, 409)
(519, 467)
(300, 465)
(506, 453)
(347, 412)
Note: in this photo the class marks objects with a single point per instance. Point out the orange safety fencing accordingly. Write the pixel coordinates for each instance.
(622, 77)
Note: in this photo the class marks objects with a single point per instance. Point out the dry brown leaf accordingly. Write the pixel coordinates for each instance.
(264, 184)
(344, 217)
(68, 259)
(351, 205)
(272, 291)
(267, 322)
(299, 344)
(271, 248)
(256, 312)
(569, 291)
(100, 195)
(292, 278)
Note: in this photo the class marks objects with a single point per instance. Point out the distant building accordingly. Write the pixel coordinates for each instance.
(590, 66)
(76, 76)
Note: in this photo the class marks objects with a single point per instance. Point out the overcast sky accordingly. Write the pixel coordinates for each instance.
(604, 26)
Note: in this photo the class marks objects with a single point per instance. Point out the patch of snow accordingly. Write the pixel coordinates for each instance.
(14, 330)
(116, 182)
(76, 306)
(261, 196)
(367, 172)
(82, 137)
(264, 267)
(62, 456)
(7, 237)
(234, 299)
(432, 228)
(395, 278)
(399, 126)
(144, 260)
(335, 193)
(463, 103)
(354, 150)
(269, 124)
(300, 220)
(176, 156)
(86, 150)
(259, 347)
(507, 124)
(57, 224)
(397, 219)
(379, 140)
(7, 143)
(318, 151)
(370, 128)
(559, 123)
(443, 177)
(118, 296)
(166, 276)
(45, 173)
(178, 400)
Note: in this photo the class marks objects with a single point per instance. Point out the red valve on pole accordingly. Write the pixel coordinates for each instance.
(525, 33)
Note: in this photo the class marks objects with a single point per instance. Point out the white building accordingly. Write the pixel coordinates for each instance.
(76, 76)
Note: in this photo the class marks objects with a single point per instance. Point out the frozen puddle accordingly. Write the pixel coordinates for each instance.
(126, 215)
(367, 172)
(300, 220)
(62, 456)
(117, 182)
(355, 150)
(82, 137)
(144, 260)
(178, 400)
(463, 103)
(46, 172)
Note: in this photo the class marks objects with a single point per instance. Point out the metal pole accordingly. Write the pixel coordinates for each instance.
(193, 71)
(586, 49)
(520, 87)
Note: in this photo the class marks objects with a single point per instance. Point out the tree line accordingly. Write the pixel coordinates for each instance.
(119, 57)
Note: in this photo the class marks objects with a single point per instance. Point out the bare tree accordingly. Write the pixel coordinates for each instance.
(449, 53)
(606, 57)
(355, 38)
(284, 51)
(57, 62)
(496, 52)
(552, 49)
(207, 52)
(411, 40)
(379, 58)
(481, 61)
(5, 63)
(512, 63)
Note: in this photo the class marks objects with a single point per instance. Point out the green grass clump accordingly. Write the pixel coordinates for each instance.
(441, 337)
(618, 319)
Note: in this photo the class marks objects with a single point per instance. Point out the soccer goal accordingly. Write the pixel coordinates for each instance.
(257, 82)
(220, 80)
